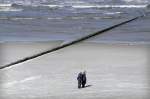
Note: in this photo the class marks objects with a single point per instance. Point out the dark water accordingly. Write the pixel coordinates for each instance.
(43, 20)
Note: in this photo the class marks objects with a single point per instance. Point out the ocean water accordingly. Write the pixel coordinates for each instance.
(46, 20)
(115, 71)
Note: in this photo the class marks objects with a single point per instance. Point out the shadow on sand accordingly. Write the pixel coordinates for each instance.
(87, 86)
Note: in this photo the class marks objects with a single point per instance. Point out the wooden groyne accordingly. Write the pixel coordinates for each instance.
(69, 43)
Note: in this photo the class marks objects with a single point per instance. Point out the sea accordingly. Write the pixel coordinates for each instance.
(113, 71)
(67, 20)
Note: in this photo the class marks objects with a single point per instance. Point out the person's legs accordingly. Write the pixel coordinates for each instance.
(83, 84)
(79, 84)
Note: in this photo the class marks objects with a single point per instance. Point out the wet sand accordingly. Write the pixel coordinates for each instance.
(114, 71)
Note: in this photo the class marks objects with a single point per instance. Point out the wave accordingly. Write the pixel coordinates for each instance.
(74, 1)
(8, 7)
(36, 7)
(5, 5)
(22, 7)
(109, 6)
(74, 6)
(112, 13)
(83, 6)
(30, 18)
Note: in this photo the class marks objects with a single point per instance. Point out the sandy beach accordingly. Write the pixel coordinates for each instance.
(114, 71)
(115, 49)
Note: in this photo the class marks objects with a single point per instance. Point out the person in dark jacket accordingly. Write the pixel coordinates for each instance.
(83, 79)
(79, 78)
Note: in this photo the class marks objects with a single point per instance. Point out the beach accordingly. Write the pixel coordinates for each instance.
(116, 61)
(114, 71)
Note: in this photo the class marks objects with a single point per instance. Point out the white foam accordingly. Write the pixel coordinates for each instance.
(22, 18)
(112, 13)
(90, 6)
(9, 9)
(53, 6)
(77, 5)
(109, 6)
(56, 18)
(83, 6)
(5, 5)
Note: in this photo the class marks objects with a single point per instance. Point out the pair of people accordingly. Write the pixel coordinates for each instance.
(81, 79)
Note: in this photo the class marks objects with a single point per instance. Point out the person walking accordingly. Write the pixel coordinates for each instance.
(83, 79)
(79, 78)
